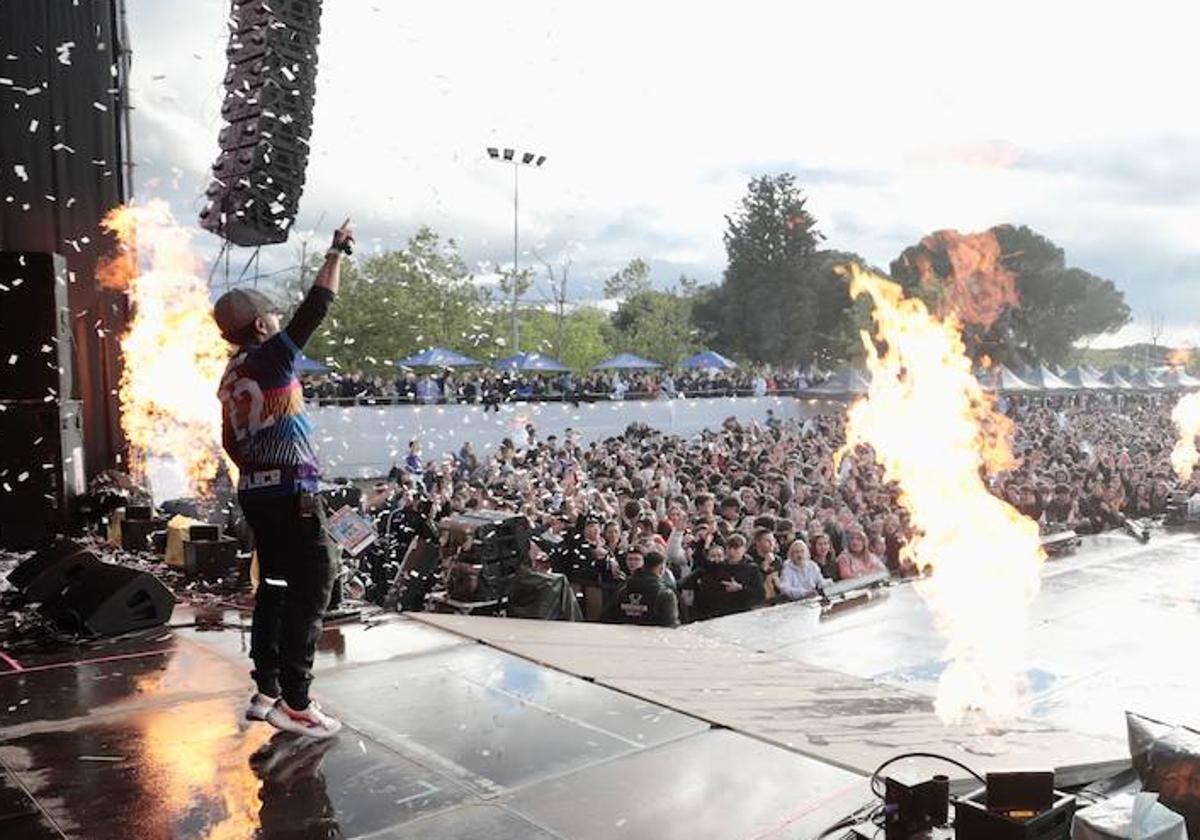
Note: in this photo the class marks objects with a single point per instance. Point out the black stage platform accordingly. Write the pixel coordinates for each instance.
(754, 727)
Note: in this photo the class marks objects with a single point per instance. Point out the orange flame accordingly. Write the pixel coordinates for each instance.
(199, 764)
(978, 288)
(172, 351)
(934, 430)
(1186, 417)
(1179, 357)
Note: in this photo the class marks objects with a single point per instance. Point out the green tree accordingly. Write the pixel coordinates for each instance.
(766, 302)
(631, 280)
(657, 325)
(584, 335)
(398, 302)
(1057, 305)
(838, 320)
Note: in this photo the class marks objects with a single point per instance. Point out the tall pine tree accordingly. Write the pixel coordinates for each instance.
(767, 304)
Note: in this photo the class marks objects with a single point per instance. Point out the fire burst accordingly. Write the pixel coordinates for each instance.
(936, 433)
(1186, 416)
(173, 354)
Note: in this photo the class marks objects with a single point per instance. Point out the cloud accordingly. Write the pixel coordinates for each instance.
(1159, 171)
(897, 118)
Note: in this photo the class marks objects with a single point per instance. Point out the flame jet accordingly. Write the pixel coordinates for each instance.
(172, 353)
(936, 434)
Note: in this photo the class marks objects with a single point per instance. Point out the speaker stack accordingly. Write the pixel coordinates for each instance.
(41, 430)
(269, 88)
(496, 536)
(82, 594)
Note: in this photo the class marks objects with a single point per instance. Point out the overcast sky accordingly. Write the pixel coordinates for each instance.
(1078, 119)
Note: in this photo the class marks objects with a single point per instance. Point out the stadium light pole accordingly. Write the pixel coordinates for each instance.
(517, 160)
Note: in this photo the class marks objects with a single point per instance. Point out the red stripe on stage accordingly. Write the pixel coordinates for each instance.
(806, 809)
(10, 662)
(114, 658)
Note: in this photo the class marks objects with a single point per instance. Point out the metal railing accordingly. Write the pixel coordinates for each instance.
(581, 397)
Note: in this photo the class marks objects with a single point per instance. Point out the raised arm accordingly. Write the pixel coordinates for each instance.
(329, 277)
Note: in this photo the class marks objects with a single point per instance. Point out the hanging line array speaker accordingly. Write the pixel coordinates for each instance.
(269, 88)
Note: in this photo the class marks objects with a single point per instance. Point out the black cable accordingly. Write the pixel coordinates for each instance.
(866, 813)
(837, 826)
(937, 756)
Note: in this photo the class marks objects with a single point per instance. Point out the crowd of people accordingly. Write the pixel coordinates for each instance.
(491, 388)
(672, 529)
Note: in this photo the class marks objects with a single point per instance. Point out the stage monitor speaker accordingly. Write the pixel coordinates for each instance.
(35, 327)
(41, 469)
(270, 84)
(495, 535)
(108, 600)
(47, 571)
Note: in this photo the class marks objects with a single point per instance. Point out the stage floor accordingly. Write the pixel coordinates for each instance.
(1113, 628)
(755, 726)
(445, 738)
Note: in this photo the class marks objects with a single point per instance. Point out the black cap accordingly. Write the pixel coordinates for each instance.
(236, 309)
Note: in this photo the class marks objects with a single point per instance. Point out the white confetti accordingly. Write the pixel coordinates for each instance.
(19, 170)
(64, 52)
(99, 106)
(33, 126)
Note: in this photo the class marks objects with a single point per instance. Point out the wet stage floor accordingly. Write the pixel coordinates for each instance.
(142, 737)
(1114, 627)
(445, 738)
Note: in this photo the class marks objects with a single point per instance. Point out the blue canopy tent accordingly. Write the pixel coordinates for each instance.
(307, 365)
(1045, 379)
(1113, 379)
(627, 361)
(1081, 377)
(438, 357)
(708, 360)
(1145, 380)
(1000, 379)
(1179, 378)
(531, 363)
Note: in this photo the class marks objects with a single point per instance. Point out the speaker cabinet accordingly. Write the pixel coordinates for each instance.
(41, 469)
(35, 328)
(270, 84)
(47, 571)
(108, 600)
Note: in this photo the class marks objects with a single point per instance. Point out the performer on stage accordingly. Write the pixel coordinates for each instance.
(268, 436)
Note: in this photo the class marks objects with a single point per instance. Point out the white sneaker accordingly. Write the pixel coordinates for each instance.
(260, 705)
(312, 721)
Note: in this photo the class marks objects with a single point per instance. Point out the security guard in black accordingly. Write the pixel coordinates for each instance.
(645, 599)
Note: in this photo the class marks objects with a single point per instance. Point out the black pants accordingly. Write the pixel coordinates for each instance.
(297, 562)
